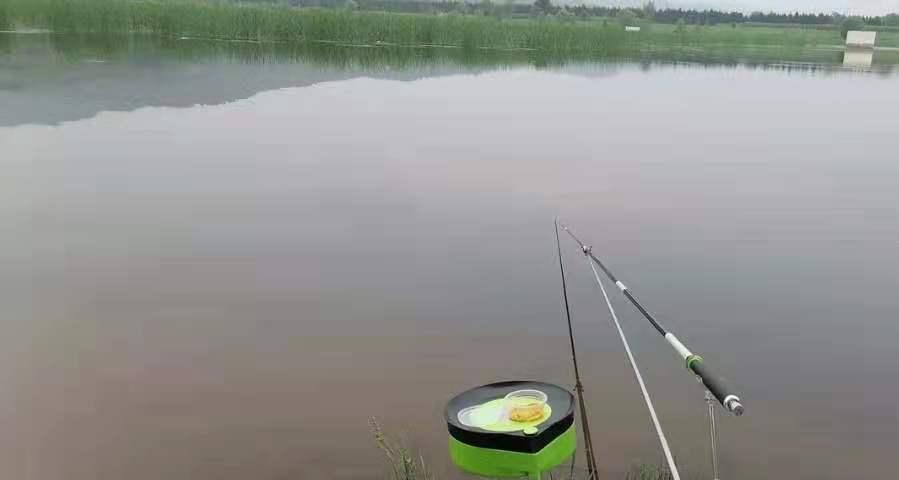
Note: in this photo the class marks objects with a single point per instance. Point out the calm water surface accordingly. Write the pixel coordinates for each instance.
(220, 268)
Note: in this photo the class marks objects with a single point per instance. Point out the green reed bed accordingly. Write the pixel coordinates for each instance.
(285, 24)
(260, 22)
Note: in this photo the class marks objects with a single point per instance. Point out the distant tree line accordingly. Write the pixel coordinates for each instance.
(648, 12)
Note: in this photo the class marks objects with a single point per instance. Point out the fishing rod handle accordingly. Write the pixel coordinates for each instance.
(729, 400)
(721, 391)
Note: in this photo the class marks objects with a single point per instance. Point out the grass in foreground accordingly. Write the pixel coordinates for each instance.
(648, 472)
(403, 465)
(266, 22)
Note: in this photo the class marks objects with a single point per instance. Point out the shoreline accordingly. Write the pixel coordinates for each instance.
(285, 24)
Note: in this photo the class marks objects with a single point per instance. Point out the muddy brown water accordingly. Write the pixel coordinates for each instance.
(221, 269)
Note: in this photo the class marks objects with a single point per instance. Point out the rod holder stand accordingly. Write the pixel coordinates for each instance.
(713, 432)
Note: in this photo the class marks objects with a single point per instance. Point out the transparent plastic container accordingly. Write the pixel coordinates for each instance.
(481, 416)
(525, 405)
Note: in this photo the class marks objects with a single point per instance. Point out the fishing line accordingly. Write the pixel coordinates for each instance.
(672, 467)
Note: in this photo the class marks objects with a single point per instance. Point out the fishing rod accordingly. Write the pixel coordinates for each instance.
(695, 363)
(663, 441)
(578, 386)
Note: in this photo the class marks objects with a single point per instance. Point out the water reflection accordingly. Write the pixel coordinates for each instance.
(379, 58)
(190, 279)
(861, 58)
(48, 79)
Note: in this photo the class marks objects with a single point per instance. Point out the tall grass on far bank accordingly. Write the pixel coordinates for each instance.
(261, 22)
(5, 20)
(279, 23)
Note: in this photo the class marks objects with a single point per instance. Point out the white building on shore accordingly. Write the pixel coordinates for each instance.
(858, 39)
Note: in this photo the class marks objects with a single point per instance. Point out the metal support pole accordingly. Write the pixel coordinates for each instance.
(713, 432)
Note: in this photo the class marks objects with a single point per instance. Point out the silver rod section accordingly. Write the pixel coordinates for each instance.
(675, 475)
(713, 433)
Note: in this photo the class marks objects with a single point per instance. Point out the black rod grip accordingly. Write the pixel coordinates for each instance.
(728, 399)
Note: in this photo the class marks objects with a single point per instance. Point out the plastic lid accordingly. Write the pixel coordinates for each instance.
(527, 394)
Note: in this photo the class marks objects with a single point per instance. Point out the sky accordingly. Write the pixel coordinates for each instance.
(852, 7)
(857, 7)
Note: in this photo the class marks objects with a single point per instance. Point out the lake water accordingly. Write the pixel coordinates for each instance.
(218, 263)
